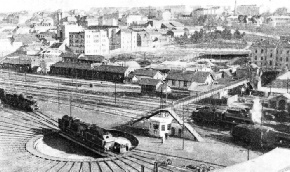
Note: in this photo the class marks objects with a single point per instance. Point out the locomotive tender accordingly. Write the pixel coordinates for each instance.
(18, 101)
(97, 139)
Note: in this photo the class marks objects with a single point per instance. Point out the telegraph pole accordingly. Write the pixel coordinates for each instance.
(58, 94)
(287, 84)
(70, 110)
(183, 127)
(115, 92)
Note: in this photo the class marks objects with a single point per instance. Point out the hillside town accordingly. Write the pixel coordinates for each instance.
(133, 84)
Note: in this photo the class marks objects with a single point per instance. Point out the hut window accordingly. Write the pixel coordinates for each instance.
(162, 127)
(168, 126)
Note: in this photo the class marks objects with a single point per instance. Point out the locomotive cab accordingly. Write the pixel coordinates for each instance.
(120, 148)
(109, 141)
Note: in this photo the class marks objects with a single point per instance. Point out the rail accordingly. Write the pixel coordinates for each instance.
(189, 99)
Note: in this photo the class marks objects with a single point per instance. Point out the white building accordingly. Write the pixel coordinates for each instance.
(166, 15)
(66, 29)
(279, 20)
(128, 40)
(137, 19)
(96, 42)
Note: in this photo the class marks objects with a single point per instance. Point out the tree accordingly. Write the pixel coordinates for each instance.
(237, 34)
(226, 34)
(281, 11)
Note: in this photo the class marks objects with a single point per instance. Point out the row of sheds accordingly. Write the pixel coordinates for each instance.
(150, 80)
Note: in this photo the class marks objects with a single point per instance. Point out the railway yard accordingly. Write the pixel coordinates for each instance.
(107, 105)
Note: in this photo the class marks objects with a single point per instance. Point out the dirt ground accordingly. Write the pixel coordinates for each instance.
(209, 152)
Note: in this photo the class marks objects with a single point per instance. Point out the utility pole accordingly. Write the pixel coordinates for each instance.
(262, 123)
(115, 92)
(161, 106)
(287, 84)
(70, 110)
(58, 94)
(235, 7)
(183, 127)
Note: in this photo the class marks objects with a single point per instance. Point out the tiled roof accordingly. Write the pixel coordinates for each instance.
(55, 45)
(19, 51)
(265, 43)
(176, 24)
(96, 58)
(167, 25)
(180, 75)
(25, 38)
(200, 76)
(126, 30)
(144, 72)
(149, 81)
(69, 54)
(72, 65)
(48, 38)
(16, 61)
(112, 69)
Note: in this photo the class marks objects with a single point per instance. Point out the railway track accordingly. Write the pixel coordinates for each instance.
(17, 128)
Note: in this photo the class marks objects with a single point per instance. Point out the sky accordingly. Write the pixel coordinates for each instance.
(38, 5)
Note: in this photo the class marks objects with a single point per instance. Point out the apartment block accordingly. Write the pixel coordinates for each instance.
(96, 42)
(77, 42)
(128, 40)
(270, 55)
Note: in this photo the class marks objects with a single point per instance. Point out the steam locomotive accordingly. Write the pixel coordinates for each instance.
(18, 101)
(260, 136)
(97, 139)
(229, 117)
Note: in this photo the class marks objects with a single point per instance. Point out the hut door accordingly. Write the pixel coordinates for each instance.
(179, 132)
(172, 131)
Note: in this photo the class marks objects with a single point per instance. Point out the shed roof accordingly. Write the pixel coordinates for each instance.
(69, 54)
(95, 58)
(72, 65)
(111, 69)
(149, 81)
(144, 72)
(180, 75)
(25, 38)
(16, 61)
(201, 76)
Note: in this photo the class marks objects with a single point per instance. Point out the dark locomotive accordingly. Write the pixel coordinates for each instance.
(229, 117)
(98, 139)
(18, 101)
(260, 136)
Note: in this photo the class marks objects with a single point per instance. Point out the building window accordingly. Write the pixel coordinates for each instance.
(261, 58)
(255, 57)
(168, 126)
(262, 51)
(270, 62)
(271, 55)
(288, 52)
(185, 83)
(173, 82)
(162, 127)
(155, 126)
